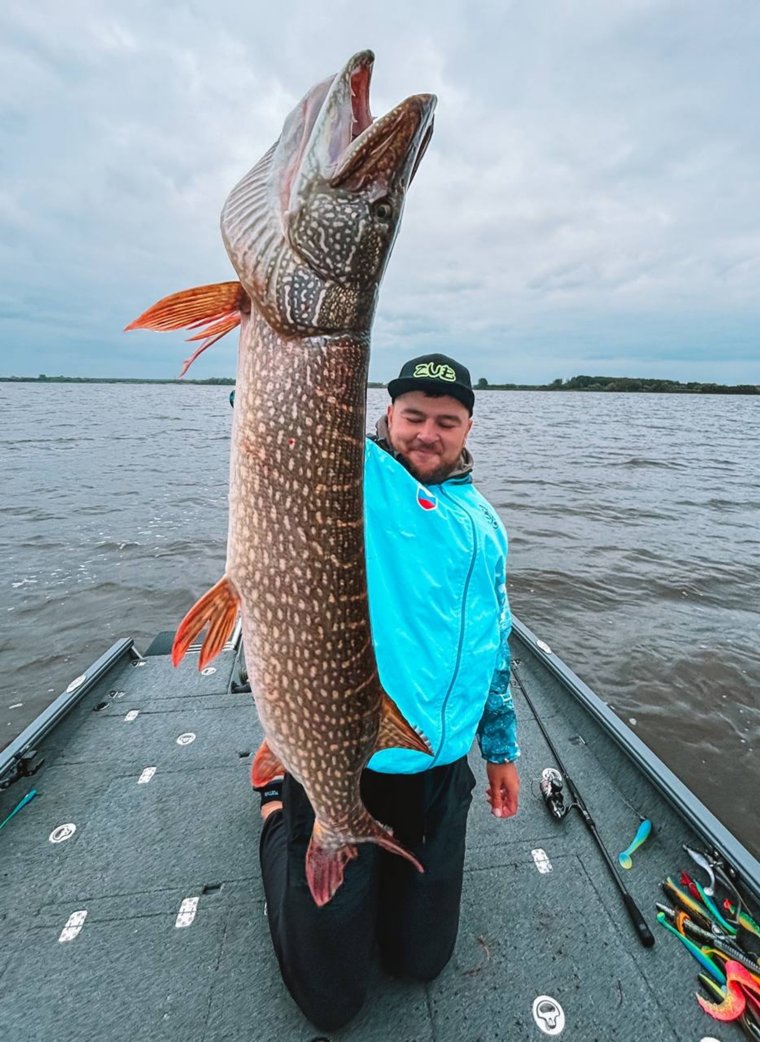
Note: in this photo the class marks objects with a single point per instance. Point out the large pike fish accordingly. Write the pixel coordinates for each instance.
(309, 231)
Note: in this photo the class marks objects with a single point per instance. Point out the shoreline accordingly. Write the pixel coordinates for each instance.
(583, 384)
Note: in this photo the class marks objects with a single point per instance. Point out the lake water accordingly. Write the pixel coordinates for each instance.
(634, 526)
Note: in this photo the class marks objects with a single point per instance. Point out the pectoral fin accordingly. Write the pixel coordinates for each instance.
(397, 733)
(265, 767)
(218, 307)
(216, 610)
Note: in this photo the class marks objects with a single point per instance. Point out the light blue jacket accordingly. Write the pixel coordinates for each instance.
(436, 571)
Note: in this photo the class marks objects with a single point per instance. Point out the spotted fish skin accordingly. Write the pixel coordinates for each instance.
(296, 558)
(309, 231)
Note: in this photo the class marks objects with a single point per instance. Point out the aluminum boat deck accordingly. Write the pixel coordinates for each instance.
(146, 920)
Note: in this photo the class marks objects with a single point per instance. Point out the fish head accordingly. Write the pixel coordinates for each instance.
(345, 200)
(334, 187)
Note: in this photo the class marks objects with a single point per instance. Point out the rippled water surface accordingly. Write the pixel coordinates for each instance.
(634, 523)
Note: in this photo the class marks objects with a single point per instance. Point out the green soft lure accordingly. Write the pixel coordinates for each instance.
(643, 832)
(21, 804)
(712, 908)
(687, 902)
(704, 960)
(744, 919)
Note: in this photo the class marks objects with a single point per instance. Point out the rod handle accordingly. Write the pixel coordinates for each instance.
(645, 934)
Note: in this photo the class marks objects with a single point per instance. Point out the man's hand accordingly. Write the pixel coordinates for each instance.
(503, 789)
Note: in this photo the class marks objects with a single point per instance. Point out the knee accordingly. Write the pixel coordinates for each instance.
(422, 967)
(330, 1013)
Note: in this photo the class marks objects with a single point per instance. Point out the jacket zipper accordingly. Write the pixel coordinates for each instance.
(461, 632)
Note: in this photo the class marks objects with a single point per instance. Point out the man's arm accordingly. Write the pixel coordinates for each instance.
(497, 731)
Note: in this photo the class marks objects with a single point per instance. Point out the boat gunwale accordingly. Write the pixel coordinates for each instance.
(678, 795)
(59, 708)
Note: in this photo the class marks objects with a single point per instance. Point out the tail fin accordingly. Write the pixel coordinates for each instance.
(326, 861)
(216, 609)
(218, 307)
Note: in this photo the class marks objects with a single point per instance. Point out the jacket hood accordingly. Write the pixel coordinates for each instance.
(462, 468)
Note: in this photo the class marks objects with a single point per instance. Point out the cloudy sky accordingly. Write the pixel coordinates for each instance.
(590, 202)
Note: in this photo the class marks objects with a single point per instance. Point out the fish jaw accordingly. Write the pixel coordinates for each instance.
(310, 228)
(346, 199)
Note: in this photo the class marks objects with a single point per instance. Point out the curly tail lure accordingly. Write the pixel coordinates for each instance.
(713, 938)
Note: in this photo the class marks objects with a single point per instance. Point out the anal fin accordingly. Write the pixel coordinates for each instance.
(396, 732)
(216, 610)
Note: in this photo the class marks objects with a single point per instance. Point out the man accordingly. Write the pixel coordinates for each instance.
(436, 570)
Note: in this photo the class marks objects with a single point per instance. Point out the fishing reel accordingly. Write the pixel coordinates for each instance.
(551, 786)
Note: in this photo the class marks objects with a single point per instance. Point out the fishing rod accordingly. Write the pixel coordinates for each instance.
(643, 931)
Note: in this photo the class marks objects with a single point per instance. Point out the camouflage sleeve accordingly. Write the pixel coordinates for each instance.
(497, 730)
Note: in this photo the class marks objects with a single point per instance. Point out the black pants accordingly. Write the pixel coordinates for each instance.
(325, 954)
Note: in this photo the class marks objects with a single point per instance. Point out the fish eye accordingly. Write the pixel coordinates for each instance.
(383, 210)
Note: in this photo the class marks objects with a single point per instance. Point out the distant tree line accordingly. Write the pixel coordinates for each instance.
(623, 383)
(575, 383)
(42, 378)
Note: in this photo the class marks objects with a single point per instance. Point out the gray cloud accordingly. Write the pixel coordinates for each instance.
(589, 200)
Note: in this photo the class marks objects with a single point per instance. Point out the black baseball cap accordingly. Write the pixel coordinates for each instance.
(436, 374)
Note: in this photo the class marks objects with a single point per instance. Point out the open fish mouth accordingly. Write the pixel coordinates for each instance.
(359, 81)
(351, 146)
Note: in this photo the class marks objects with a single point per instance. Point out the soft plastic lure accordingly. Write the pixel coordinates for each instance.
(713, 910)
(687, 902)
(701, 861)
(747, 1021)
(739, 984)
(643, 832)
(704, 960)
(743, 918)
(688, 882)
(22, 803)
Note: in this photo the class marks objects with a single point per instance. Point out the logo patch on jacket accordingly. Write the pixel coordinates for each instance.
(426, 499)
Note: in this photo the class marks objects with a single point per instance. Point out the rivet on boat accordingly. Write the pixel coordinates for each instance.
(131, 715)
(541, 859)
(548, 1015)
(63, 832)
(186, 739)
(186, 912)
(76, 682)
(208, 671)
(146, 775)
(74, 924)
